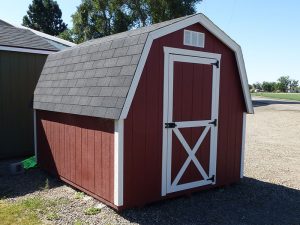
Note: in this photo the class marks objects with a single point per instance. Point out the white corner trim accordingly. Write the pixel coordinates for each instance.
(244, 80)
(25, 50)
(243, 145)
(118, 162)
(211, 27)
(35, 134)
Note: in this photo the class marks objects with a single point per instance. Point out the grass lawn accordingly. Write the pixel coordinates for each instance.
(288, 96)
(28, 211)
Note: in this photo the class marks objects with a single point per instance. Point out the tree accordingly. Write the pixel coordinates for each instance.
(293, 85)
(95, 19)
(257, 86)
(269, 86)
(45, 16)
(99, 18)
(250, 87)
(171, 9)
(67, 35)
(283, 83)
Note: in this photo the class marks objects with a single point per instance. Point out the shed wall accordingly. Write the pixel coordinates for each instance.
(78, 149)
(19, 73)
(143, 126)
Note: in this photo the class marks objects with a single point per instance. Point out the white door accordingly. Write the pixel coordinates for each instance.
(191, 96)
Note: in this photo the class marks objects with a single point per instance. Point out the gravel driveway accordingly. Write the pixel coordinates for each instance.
(269, 193)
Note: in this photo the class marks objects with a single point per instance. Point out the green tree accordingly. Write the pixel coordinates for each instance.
(257, 86)
(95, 19)
(269, 86)
(45, 16)
(99, 18)
(67, 35)
(250, 87)
(171, 9)
(283, 83)
(294, 85)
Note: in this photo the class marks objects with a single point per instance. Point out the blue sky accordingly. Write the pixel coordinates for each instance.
(268, 31)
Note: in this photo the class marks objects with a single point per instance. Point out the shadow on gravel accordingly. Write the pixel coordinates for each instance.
(26, 183)
(265, 102)
(249, 202)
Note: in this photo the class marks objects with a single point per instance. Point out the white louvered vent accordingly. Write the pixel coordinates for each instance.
(193, 38)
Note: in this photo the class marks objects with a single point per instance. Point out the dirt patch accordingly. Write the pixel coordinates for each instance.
(269, 193)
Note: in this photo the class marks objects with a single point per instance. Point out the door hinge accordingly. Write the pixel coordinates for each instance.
(216, 64)
(215, 122)
(212, 178)
(170, 125)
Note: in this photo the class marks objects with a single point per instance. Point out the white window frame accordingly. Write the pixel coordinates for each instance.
(181, 55)
(190, 43)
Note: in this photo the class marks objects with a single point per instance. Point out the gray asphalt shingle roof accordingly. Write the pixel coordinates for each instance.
(93, 78)
(3, 23)
(22, 38)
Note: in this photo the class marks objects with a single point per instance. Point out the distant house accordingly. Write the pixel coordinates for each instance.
(23, 53)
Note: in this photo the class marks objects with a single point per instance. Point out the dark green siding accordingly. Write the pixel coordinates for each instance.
(19, 73)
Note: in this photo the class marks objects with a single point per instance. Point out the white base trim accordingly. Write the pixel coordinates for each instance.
(243, 145)
(118, 162)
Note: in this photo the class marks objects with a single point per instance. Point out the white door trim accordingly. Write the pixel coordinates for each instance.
(171, 55)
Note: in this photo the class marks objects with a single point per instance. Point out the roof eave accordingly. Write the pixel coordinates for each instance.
(25, 50)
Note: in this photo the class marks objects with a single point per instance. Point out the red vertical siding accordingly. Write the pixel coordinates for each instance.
(143, 126)
(78, 149)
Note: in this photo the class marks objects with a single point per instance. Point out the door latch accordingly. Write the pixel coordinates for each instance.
(215, 122)
(170, 125)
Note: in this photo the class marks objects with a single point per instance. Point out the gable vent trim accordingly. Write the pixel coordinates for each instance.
(193, 38)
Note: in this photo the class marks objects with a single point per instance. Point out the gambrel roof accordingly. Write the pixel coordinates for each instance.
(98, 78)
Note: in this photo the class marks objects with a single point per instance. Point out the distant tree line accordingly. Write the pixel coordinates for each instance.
(283, 84)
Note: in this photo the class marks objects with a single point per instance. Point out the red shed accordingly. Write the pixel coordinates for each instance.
(146, 114)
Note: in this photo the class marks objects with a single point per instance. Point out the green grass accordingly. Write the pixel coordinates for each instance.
(288, 96)
(52, 216)
(78, 222)
(92, 211)
(79, 195)
(28, 211)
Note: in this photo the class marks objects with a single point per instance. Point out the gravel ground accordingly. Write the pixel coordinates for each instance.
(269, 193)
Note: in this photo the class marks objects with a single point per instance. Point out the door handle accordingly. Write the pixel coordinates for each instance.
(170, 125)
